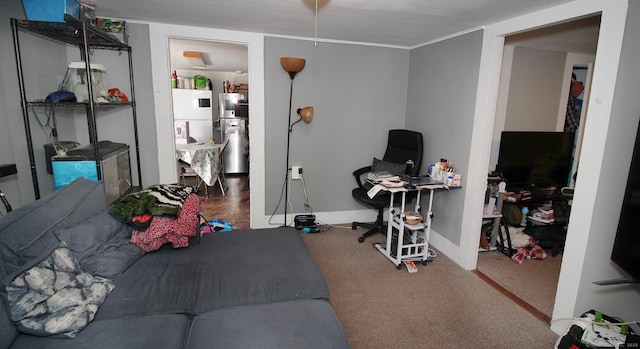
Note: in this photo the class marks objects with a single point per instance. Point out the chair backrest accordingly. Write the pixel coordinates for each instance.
(223, 146)
(404, 145)
(220, 155)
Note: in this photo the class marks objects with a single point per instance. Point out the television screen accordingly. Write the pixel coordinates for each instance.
(626, 248)
(540, 159)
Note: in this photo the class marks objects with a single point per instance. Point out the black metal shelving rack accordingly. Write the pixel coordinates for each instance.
(73, 32)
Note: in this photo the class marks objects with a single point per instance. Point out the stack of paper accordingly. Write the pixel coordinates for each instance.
(377, 177)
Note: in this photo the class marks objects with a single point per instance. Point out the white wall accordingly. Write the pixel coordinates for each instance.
(534, 90)
(619, 134)
(585, 220)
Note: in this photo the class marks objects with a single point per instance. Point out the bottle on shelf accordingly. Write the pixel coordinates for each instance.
(174, 80)
(524, 216)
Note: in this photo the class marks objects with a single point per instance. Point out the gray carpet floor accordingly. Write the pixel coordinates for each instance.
(440, 306)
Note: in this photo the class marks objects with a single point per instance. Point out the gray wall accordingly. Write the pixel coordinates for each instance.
(358, 92)
(441, 101)
(147, 134)
(42, 77)
(44, 64)
(534, 90)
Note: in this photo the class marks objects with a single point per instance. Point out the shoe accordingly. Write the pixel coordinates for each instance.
(567, 191)
(542, 215)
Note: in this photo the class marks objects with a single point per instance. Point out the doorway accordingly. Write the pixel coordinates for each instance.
(552, 51)
(205, 75)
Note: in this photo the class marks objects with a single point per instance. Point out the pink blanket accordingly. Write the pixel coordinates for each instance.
(170, 230)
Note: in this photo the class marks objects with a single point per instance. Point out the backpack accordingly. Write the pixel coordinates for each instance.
(511, 214)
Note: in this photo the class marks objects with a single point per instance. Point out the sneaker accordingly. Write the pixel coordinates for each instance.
(542, 215)
(567, 191)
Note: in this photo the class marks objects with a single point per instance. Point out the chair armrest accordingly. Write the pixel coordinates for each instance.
(359, 173)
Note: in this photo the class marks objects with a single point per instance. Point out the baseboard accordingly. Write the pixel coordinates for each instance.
(341, 217)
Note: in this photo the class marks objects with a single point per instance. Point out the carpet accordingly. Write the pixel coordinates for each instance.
(440, 306)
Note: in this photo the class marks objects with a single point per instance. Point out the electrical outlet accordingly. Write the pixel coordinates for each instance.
(296, 172)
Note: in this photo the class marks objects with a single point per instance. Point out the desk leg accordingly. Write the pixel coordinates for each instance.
(387, 250)
(427, 231)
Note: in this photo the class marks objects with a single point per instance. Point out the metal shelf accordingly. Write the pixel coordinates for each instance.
(86, 38)
(41, 103)
(70, 33)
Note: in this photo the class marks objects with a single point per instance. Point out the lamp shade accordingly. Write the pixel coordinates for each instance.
(306, 114)
(292, 65)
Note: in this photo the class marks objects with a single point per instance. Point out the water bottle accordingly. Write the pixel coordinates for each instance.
(524, 216)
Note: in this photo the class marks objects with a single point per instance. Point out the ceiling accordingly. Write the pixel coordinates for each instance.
(404, 23)
(396, 23)
(218, 56)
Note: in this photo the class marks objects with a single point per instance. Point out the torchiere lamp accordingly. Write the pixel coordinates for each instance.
(293, 66)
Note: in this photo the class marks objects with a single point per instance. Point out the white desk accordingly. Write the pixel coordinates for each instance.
(414, 250)
(202, 158)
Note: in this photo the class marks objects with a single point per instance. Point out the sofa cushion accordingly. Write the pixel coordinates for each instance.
(8, 330)
(297, 324)
(54, 296)
(101, 244)
(140, 332)
(30, 227)
(236, 268)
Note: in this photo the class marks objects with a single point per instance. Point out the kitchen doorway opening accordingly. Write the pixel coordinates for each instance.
(210, 111)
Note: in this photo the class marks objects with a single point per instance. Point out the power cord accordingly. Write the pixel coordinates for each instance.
(307, 207)
(48, 127)
(279, 200)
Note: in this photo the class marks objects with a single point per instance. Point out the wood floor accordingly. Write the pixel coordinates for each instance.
(233, 207)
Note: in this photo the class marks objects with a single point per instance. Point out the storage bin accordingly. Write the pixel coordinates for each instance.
(80, 162)
(77, 79)
(50, 10)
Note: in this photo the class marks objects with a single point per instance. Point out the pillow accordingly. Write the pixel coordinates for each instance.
(391, 167)
(101, 245)
(55, 297)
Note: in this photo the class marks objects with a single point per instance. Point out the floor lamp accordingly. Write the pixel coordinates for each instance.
(293, 66)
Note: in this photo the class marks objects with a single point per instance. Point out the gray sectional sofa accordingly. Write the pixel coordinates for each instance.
(243, 289)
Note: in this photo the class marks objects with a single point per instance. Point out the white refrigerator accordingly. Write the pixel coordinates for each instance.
(193, 112)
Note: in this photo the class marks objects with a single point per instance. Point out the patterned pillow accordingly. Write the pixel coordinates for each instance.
(54, 296)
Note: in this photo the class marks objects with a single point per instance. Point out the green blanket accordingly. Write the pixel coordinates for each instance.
(158, 200)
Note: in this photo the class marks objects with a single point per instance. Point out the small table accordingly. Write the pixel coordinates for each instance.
(414, 250)
(202, 158)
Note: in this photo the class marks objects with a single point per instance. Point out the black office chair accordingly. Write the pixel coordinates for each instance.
(402, 145)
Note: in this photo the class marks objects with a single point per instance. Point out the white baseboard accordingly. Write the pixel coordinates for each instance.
(341, 217)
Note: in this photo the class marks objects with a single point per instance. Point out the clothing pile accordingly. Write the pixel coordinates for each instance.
(531, 251)
(160, 214)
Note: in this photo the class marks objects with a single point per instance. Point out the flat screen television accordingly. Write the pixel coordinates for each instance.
(626, 248)
(541, 159)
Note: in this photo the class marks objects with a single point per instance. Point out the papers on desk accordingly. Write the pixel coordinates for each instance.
(393, 188)
(377, 177)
